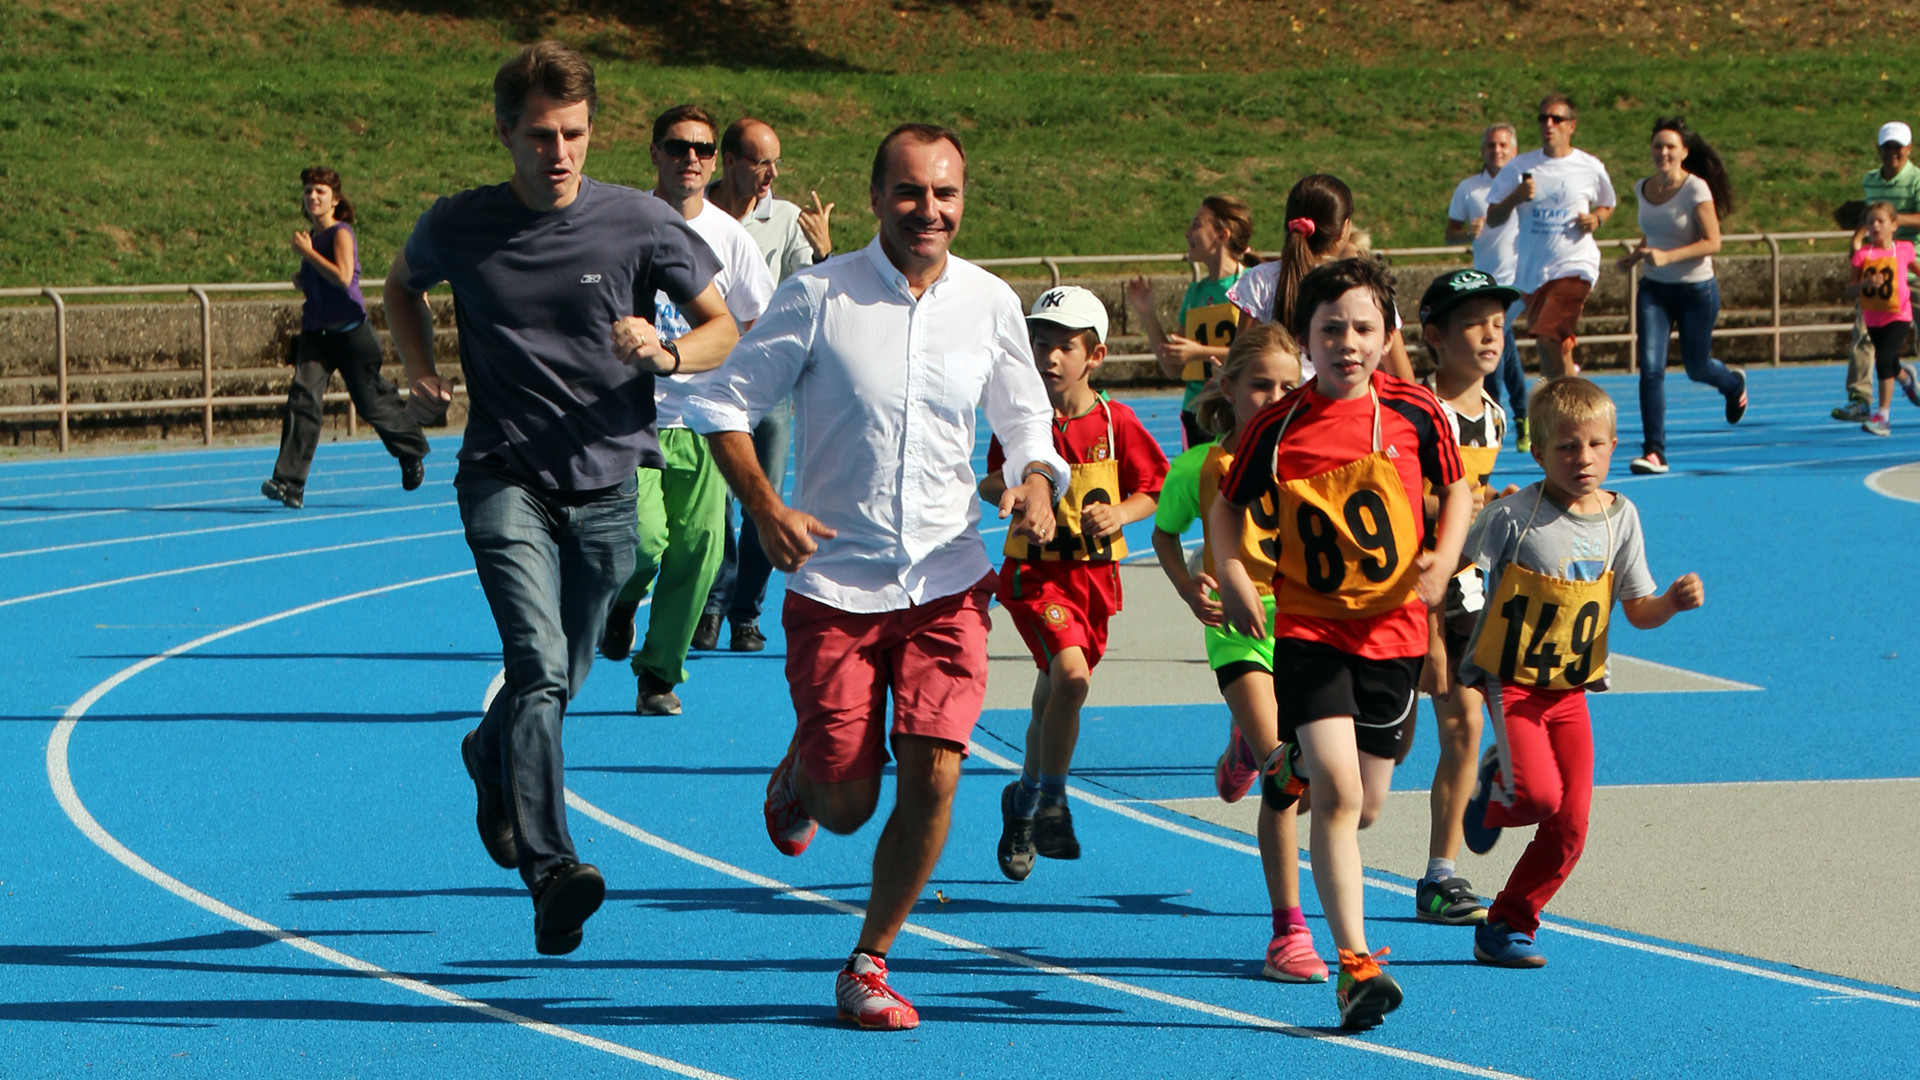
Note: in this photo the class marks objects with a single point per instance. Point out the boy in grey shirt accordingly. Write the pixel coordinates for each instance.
(1556, 556)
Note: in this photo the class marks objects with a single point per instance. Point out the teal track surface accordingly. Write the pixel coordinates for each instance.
(240, 840)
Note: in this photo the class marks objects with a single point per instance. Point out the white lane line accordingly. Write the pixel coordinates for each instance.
(9, 470)
(61, 780)
(292, 519)
(1091, 799)
(253, 498)
(203, 482)
(1042, 967)
(89, 587)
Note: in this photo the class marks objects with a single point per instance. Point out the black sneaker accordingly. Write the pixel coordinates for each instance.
(1450, 901)
(616, 638)
(655, 697)
(1737, 403)
(747, 636)
(562, 902)
(285, 492)
(413, 472)
(1053, 833)
(706, 633)
(1365, 993)
(1016, 838)
(490, 816)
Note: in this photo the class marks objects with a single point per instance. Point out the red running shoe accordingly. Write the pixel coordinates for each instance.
(866, 1001)
(1233, 777)
(788, 825)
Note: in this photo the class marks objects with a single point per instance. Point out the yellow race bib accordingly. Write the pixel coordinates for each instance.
(1878, 290)
(1212, 325)
(1259, 541)
(1546, 632)
(1478, 462)
(1092, 482)
(1348, 537)
(1089, 483)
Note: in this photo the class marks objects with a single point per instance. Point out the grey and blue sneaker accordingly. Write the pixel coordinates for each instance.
(1854, 411)
(1450, 900)
(1481, 836)
(1910, 382)
(1501, 945)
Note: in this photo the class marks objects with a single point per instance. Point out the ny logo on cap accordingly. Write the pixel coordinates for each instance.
(1051, 298)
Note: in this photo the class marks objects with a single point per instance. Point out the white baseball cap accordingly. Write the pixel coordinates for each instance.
(1072, 307)
(1893, 131)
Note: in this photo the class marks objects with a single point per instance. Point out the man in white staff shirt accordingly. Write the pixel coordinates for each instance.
(887, 352)
(1561, 197)
(1495, 253)
(682, 505)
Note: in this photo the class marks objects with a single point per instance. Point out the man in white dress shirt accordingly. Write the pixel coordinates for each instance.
(1561, 196)
(682, 504)
(887, 352)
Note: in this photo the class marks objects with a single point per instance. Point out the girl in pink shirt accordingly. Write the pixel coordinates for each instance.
(1879, 283)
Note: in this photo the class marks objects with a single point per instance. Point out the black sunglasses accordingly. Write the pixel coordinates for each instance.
(678, 148)
(1554, 118)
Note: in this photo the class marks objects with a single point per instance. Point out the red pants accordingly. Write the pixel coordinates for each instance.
(1545, 741)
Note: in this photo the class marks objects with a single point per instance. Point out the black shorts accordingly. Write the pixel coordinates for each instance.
(1313, 681)
(1887, 342)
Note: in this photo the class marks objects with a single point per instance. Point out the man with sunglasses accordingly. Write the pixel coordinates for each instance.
(791, 239)
(682, 504)
(1561, 196)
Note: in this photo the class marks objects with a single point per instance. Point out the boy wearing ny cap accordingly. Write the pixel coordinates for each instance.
(1060, 594)
(1896, 181)
(1463, 322)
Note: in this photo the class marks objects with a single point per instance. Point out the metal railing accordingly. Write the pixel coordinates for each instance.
(64, 408)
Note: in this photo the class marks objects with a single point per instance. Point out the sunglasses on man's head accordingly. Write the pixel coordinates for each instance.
(1554, 118)
(679, 148)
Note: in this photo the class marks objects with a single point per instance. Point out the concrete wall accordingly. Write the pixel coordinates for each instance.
(152, 351)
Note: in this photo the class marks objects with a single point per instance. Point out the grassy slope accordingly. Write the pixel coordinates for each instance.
(161, 142)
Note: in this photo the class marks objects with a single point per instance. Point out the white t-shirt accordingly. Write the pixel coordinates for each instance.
(744, 283)
(1493, 250)
(1256, 292)
(1550, 245)
(1673, 224)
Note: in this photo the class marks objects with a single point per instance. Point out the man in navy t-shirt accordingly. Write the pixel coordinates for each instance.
(553, 278)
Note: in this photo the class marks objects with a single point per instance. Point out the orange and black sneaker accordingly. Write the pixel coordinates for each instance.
(1366, 994)
(1281, 784)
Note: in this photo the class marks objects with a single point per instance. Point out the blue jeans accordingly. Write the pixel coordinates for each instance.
(1512, 376)
(740, 592)
(1694, 308)
(549, 563)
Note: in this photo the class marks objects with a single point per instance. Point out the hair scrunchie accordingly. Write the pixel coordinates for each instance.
(1302, 225)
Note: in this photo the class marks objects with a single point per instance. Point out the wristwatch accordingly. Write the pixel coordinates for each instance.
(668, 345)
(1045, 473)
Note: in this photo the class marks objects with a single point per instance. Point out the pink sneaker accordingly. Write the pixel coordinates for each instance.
(1291, 958)
(866, 1000)
(788, 825)
(1232, 776)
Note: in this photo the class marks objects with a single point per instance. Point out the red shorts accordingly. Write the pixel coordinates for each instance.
(1553, 309)
(1060, 605)
(841, 666)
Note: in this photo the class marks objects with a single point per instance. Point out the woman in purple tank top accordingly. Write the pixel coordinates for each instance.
(335, 336)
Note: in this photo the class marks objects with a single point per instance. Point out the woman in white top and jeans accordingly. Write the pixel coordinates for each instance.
(1681, 205)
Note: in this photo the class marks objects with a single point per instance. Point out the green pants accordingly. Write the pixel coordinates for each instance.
(681, 510)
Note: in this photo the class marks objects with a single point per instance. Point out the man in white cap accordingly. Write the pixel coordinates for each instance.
(1060, 594)
(890, 353)
(1896, 181)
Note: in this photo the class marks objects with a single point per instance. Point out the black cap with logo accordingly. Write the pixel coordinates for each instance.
(1451, 288)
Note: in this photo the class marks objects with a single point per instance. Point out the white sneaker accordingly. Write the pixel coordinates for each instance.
(867, 1001)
